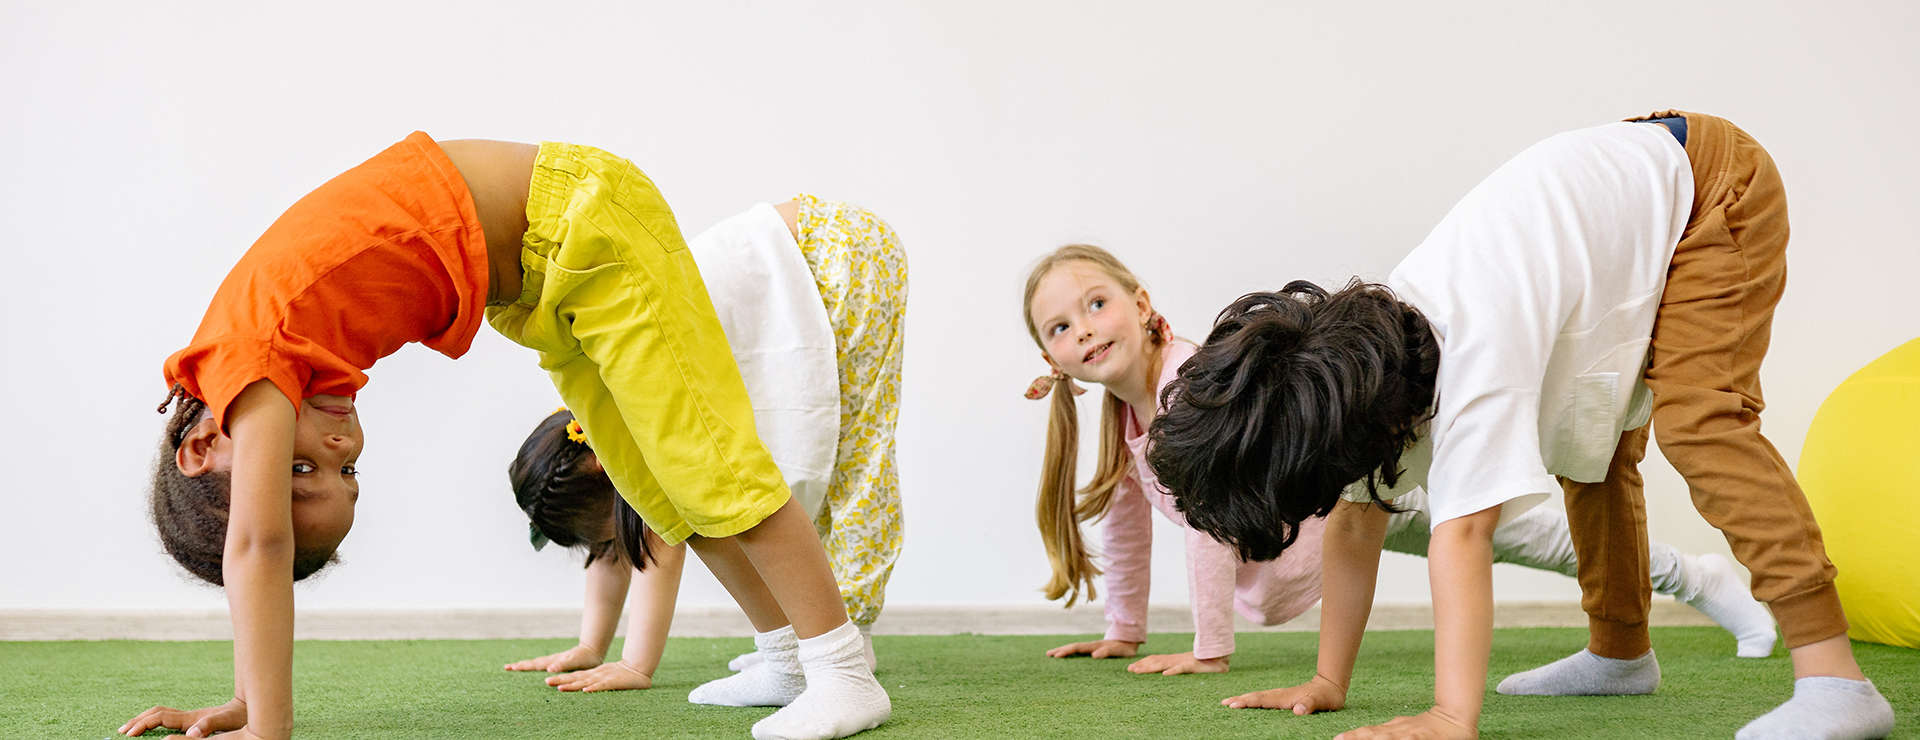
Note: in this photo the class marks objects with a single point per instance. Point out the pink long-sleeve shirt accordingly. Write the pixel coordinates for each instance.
(1218, 581)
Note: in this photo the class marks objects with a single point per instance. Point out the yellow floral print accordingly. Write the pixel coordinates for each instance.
(861, 270)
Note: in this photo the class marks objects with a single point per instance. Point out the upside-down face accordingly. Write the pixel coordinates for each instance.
(327, 441)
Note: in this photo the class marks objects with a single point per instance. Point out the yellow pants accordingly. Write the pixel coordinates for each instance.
(615, 305)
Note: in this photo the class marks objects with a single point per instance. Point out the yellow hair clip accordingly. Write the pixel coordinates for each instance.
(574, 432)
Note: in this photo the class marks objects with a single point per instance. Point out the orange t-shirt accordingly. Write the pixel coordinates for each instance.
(389, 252)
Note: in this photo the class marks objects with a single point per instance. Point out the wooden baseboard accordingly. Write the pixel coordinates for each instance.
(495, 624)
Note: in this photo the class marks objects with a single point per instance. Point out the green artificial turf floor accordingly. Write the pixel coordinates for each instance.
(964, 686)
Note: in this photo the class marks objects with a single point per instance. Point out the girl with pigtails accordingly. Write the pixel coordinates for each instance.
(1094, 323)
(812, 297)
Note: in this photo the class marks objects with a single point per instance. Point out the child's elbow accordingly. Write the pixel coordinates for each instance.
(1475, 527)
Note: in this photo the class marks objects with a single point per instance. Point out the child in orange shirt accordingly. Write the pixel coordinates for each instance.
(580, 258)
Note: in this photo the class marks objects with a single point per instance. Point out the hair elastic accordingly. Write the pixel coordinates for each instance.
(1157, 325)
(1044, 384)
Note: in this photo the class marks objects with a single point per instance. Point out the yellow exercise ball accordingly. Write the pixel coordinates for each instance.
(1861, 471)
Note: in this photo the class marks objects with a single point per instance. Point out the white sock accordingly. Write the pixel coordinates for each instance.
(744, 661)
(1586, 674)
(866, 640)
(841, 697)
(1711, 585)
(1825, 708)
(774, 682)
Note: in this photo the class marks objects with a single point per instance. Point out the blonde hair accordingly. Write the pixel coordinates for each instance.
(1060, 507)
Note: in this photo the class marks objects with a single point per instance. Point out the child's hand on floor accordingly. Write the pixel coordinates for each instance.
(1174, 665)
(1318, 695)
(576, 658)
(1428, 725)
(1097, 649)
(197, 723)
(607, 677)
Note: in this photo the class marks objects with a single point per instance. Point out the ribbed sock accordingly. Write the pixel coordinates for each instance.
(1825, 708)
(744, 661)
(774, 682)
(1586, 674)
(1711, 585)
(866, 642)
(841, 697)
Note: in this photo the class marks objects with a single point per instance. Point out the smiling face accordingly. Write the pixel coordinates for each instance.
(327, 441)
(1089, 326)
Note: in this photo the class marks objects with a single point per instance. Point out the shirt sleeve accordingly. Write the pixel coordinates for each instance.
(1127, 533)
(216, 371)
(1490, 457)
(1211, 572)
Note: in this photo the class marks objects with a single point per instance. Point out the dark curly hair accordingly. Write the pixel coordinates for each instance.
(190, 512)
(568, 498)
(1295, 395)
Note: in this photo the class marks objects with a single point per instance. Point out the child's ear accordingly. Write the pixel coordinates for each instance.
(203, 450)
(1142, 302)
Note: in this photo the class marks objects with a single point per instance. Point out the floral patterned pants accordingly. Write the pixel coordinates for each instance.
(861, 270)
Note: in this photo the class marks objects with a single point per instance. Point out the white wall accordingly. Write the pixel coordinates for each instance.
(1218, 147)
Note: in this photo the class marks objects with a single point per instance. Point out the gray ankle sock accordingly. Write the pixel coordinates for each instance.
(1586, 674)
(1825, 708)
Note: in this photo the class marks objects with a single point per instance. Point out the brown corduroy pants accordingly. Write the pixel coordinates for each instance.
(1709, 337)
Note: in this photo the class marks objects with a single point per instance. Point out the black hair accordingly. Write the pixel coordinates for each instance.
(568, 498)
(190, 512)
(1295, 395)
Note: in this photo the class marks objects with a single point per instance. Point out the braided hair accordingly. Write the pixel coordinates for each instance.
(568, 498)
(190, 512)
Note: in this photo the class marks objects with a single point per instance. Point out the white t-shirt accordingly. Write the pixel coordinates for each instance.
(1542, 285)
(782, 339)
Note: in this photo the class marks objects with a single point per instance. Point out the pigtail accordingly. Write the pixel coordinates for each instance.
(1073, 570)
(1060, 507)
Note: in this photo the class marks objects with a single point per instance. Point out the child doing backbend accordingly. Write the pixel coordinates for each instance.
(568, 250)
(812, 295)
(1509, 350)
(1095, 324)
